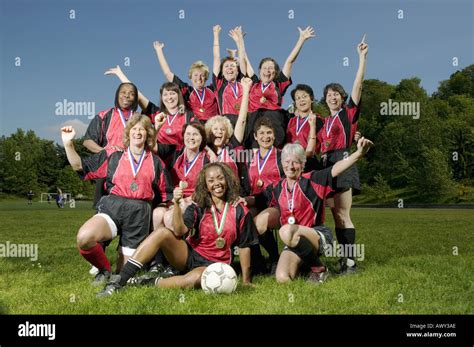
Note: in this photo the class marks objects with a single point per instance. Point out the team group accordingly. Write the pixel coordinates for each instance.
(214, 169)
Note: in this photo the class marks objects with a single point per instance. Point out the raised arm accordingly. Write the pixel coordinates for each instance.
(362, 49)
(178, 222)
(238, 37)
(216, 50)
(158, 46)
(311, 146)
(304, 35)
(117, 71)
(67, 135)
(242, 119)
(363, 146)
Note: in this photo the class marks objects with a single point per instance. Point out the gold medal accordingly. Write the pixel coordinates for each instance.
(201, 110)
(327, 144)
(237, 106)
(134, 186)
(259, 183)
(168, 131)
(220, 242)
(263, 100)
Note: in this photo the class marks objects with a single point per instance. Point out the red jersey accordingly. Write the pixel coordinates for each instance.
(146, 179)
(269, 96)
(203, 103)
(264, 171)
(171, 132)
(182, 170)
(230, 155)
(238, 230)
(338, 131)
(305, 202)
(299, 128)
(228, 94)
(107, 127)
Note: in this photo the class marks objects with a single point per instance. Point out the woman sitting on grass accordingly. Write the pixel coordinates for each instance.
(213, 224)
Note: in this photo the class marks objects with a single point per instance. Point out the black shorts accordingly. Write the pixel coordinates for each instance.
(279, 119)
(348, 179)
(325, 239)
(195, 260)
(129, 218)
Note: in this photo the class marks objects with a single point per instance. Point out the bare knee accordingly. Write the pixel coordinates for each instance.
(85, 238)
(282, 277)
(261, 224)
(285, 235)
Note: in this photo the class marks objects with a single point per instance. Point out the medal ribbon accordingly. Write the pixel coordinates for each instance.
(291, 203)
(235, 89)
(135, 167)
(188, 166)
(122, 117)
(265, 87)
(221, 156)
(173, 117)
(262, 166)
(330, 122)
(201, 98)
(219, 228)
(298, 126)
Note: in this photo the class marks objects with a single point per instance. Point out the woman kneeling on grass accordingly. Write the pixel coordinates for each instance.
(297, 204)
(213, 224)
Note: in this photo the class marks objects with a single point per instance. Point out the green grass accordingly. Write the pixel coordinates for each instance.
(408, 254)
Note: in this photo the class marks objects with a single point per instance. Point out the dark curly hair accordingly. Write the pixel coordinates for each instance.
(202, 196)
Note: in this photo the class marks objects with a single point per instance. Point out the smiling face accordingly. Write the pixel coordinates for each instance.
(334, 100)
(219, 132)
(292, 167)
(265, 137)
(215, 182)
(170, 99)
(303, 101)
(198, 78)
(230, 70)
(267, 71)
(138, 135)
(126, 96)
(192, 138)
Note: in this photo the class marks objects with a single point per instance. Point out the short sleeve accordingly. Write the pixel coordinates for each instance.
(352, 111)
(94, 131)
(94, 166)
(248, 235)
(322, 181)
(151, 109)
(190, 216)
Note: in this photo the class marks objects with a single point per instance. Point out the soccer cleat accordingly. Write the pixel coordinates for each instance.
(94, 271)
(157, 268)
(101, 278)
(148, 279)
(344, 269)
(111, 287)
(318, 277)
(169, 271)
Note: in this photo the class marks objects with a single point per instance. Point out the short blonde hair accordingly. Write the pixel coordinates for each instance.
(219, 119)
(150, 130)
(294, 149)
(198, 65)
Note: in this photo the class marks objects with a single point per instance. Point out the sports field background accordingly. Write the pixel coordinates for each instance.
(410, 267)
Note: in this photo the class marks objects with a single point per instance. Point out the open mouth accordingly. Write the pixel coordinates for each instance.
(219, 189)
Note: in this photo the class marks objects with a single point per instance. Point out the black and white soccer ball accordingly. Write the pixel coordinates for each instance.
(219, 278)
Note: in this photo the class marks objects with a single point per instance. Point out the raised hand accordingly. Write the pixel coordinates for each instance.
(216, 29)
(158, 46)
(234, 34)
(362, 47)
(306, 33)
(363, 145)
(246, 83)
(160, 119)
(67, 134)
(117, 71)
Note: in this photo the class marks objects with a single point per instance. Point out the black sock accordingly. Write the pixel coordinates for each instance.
(257, 261)
(129, 270)
(346, 238)
(350, 240)
(305, 250)
(267, 240)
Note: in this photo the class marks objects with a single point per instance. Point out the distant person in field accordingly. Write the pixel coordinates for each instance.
(297, 208)
(49, 199)
(214, 225)
(335, 139)
(30, 197)
(59, 198)
(136, 181)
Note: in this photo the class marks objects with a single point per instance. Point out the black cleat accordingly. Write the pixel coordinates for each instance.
(111, 287)
(101, 278)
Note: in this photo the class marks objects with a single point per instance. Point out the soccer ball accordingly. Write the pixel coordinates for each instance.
(219, 278)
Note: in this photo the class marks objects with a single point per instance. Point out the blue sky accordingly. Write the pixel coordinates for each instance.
(63, 58)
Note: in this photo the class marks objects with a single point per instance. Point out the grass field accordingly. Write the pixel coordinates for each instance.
(410, 267)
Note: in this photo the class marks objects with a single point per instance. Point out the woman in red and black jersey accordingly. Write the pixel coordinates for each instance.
(297, 205)
(136, 180)
(213, 225)
(335, 139)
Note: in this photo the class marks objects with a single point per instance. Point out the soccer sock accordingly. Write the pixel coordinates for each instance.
(96, 256)
(305, 250)
(257, 261)
(347, 237)
(269, 243)
(129, 270)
